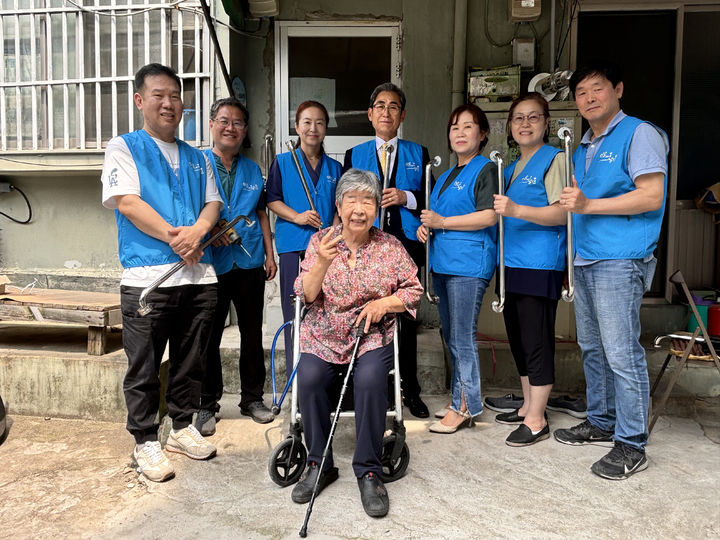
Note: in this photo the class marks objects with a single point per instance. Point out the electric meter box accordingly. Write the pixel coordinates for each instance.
(524, 10)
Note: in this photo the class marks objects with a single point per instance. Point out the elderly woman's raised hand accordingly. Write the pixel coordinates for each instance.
(327, 250)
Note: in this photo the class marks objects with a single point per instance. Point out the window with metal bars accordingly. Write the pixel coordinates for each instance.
(66, 80)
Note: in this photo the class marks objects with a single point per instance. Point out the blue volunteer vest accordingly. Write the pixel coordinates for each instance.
(247, 189)
(527, 244)
(178, 199)
(600, 237)
(291, 237)
(408, 177)
(462, 253)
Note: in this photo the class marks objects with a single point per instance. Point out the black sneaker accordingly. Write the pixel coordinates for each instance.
(523, 436)
(205, 422)
(506, 403)
(302, 492)
(583, 433)
(621, 462)
(576, 407)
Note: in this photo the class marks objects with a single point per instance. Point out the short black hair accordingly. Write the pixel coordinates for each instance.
(596, 67)
(152, 70)
(229, 102)
(388, 87)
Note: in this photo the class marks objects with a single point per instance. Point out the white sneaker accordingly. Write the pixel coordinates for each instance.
(189, 442)
(152, 461)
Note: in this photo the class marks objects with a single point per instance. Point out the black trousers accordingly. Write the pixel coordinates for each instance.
(246, 290)
(183, 316)
(530, 325)
(289, 271)
(316, 378)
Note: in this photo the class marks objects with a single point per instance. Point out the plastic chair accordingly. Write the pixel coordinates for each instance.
(685, 347)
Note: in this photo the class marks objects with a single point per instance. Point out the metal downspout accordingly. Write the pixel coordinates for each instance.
(459, 53)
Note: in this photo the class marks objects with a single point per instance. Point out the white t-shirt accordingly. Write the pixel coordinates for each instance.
(120, 177)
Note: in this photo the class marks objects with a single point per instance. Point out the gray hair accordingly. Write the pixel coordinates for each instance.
(388, 87)
(358, 180)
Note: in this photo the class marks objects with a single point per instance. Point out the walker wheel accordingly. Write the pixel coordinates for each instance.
(287, 462)
(393, 470)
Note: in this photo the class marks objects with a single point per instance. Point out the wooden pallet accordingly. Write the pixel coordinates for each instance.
(98, 311)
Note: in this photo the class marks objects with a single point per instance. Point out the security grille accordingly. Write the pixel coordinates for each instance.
(66, 82)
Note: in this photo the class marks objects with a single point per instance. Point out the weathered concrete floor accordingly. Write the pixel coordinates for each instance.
(70, 478)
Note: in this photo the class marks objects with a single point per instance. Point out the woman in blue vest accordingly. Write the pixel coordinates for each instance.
(535, 244)
(463, 256)
(296, 222)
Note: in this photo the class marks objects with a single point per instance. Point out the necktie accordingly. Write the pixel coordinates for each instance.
(384, 158)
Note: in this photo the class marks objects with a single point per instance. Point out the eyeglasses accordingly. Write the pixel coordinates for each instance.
(533, 118)
(393, 108)
(237, 124)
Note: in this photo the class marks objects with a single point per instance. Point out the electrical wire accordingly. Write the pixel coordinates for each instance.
(104, 13)
(560, 47)
(487, 29)
(20, 191)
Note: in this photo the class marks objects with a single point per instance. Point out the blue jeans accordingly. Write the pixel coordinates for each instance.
(460, 301)
(608, 295)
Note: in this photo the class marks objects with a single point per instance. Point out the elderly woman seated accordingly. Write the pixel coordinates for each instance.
(352, 274)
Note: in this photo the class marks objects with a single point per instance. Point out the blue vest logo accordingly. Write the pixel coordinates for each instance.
(331, 179)
(528, 180)
(457, 184)
(112, 178)
(250, 187)
(607, 157)
(412, 166)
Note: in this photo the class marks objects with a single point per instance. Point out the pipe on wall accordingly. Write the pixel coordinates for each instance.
(459, 53)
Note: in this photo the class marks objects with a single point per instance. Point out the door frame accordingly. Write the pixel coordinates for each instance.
(286, 29)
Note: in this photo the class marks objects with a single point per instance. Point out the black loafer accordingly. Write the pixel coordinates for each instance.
(417, 407)
(373, 495)
(302, 492)
(509, 418)
(523, 436)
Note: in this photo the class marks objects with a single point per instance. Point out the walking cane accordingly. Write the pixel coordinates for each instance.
(359, 332)
(499, 304)
(432, 298)
(565, 134)
(303, 181)
(145, 307)
(386, 182)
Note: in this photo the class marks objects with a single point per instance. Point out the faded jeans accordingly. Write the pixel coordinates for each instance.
(608, 295)
(459, 307)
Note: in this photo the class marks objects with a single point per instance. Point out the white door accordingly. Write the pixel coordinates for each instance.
(339, 65)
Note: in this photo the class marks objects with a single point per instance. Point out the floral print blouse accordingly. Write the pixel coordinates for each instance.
(382, 268)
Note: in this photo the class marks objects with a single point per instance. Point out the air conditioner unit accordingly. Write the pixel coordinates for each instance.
(264, 8)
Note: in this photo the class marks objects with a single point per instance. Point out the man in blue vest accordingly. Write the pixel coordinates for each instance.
(617, 200)
(242, 263)
(165, 200)
(403, 164)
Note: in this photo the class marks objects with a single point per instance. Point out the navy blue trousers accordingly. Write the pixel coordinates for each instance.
(316, 378)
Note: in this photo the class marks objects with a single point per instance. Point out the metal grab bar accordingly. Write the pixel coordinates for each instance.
(565, 134)
(303, 181)
(145, 307)
(499, 304)
(267, 155)
(432, 298)
(386, 183)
